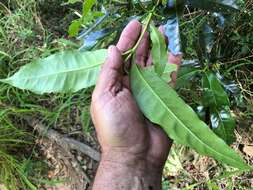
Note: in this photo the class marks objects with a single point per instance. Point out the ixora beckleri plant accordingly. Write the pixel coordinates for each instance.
(70, 71)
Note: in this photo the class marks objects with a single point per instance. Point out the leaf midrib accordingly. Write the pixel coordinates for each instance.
(62, 72)
(147, 84)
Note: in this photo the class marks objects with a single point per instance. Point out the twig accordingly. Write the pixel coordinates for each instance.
(128, 54)
(236, 60)
(65, 142)
(191, 14)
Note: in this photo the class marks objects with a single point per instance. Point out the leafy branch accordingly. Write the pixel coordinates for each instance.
(70, 71)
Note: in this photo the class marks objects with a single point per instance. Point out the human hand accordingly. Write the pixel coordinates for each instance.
(125, 135)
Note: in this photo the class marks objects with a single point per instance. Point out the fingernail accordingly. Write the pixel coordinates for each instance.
(110, 49)
(110, 52)
(134, 19)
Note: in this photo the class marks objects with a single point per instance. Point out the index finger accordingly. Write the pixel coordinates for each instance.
(129, 36)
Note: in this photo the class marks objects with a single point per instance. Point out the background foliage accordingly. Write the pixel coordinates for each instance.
(28, 31)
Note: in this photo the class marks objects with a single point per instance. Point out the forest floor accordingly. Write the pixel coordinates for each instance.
(60, 149)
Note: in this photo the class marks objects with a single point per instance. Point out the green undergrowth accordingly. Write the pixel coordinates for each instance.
(28, 31)
(24, 38)
(233, 58)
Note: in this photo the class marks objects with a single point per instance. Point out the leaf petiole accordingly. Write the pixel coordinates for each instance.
(128, 54)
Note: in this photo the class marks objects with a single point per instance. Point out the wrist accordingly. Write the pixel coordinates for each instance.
(123, 170)
(124, 158)
(139, 161)
(113, 175)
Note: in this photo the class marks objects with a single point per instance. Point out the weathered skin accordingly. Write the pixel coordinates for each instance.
(133, 149)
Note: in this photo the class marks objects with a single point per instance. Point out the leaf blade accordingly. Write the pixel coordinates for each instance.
(74, 27)
(168, 70)
(214, 93)
(67, 71)
(158, 51)
(147, 87)
(223, 124)
(87, 5)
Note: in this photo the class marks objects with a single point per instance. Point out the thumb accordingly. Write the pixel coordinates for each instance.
(112, 70)
(114, 60)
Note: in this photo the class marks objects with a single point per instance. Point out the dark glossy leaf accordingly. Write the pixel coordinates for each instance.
(220, 19)
(185, 75)
(67, 71)
(159, 50)
(191, 62)
(201, 112)
(230, 86)
(91, 28)
(215, 5)
(177, 5)
(208, 33)
(207, 40)
(90, 40)
(233, 90)
(188, 71)
(171, 4)
(223, 124)
(214, 94)
(172, 33)
(162, 106)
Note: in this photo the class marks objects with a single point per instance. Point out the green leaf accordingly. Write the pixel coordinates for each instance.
(88, 4)
(159, 50)
(185, 75)
(223, 124)
(166, 75)
(74, 28)
(67, 71)
(214, 94)
(162, 106)
(169, 69)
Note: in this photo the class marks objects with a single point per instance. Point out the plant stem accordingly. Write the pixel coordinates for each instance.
(130, 52)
